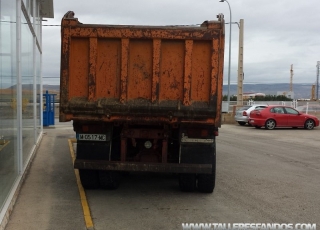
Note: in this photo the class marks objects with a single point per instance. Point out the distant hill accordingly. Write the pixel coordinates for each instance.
(301, 90)
(51, 87)
(30, 87)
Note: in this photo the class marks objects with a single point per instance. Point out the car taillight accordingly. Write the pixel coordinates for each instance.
(244, 113)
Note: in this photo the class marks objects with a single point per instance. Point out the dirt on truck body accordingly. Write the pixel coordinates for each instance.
(143, 98)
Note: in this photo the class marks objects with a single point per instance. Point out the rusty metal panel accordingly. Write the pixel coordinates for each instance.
(141, 73)
(93, 45)
(124, 69)
(172, 70)
(187, 71)
(140, 69)
(78, 67)
(108, 68)
(156, 70)
(201, 71)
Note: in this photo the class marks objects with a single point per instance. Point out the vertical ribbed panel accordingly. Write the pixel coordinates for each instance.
(92, 68)
(187, 72)
(201, 71)
(139, 83)
(215, 67)
(156, 70)
(124, 69)
(108, 68)
(79, 67)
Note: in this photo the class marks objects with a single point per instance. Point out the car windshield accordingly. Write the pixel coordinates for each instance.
(260, 107)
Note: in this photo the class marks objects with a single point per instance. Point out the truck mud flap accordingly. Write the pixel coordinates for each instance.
(143, 167)
(196, 153)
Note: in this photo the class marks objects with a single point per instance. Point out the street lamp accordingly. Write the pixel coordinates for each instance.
(229, 53)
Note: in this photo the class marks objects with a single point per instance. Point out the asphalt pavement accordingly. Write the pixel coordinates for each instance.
(263, 176)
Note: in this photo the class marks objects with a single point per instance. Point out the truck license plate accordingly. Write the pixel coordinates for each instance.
(92, 137)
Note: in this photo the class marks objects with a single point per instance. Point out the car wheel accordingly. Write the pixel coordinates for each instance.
(242, 123)
(257, 127)
(270, 124)
(309, 124)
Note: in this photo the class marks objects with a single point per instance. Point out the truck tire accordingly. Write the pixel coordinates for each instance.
(207, 182)
(89, 178)
(109, 180)
(187, 182)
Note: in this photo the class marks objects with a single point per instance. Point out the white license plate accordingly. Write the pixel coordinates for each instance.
(92, 137)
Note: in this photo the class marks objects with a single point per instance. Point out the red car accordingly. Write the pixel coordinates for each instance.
(281, 116)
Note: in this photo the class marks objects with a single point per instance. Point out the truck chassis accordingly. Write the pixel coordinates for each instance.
(188, 150)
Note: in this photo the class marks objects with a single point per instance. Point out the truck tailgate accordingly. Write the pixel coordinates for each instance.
(147, 73)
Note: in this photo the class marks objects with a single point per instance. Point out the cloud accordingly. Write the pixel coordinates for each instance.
(276, 33)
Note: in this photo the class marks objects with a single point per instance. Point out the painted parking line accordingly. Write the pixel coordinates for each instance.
(83, 198)
(3, 143)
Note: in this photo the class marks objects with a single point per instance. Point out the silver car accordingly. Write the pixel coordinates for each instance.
(242, 114)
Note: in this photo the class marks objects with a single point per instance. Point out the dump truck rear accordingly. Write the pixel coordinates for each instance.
(143, 99)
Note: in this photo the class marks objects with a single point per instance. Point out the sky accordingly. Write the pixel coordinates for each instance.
(277, 34)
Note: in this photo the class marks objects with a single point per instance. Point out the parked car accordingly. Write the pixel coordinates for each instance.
(242, 114)
(282, 116)
(309, 108)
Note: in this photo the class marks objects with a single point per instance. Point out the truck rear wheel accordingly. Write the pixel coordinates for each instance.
(89, 178)
(187, 182)
(109, 179)
(206, 183)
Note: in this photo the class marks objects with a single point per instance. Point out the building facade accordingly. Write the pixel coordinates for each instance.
(20, 92)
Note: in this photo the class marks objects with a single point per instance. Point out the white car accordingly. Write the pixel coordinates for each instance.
(242, 114)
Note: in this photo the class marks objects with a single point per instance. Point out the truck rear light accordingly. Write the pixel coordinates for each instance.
(196, 133)
(91, 128)
(201, 133)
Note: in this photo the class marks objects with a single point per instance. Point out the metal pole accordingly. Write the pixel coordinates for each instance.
(19, 88)
(240, 66)
(317, 86)
(229, 67)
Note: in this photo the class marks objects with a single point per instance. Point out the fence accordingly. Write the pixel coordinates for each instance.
(303, 106)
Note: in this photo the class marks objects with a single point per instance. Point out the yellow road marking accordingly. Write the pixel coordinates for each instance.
(3, 143)
(83, 198)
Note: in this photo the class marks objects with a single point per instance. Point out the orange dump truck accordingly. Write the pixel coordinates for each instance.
(143, 99)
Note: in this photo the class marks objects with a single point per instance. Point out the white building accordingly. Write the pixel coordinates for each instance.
(20, 110)
(288, 94)
(252, 95)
